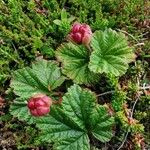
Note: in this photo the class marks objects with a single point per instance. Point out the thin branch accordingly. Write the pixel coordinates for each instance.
(134, 106)
(145, 87)
(128, 98)
(126, 135)
(125, 138)
(105, 93)
(143, 34)
(139, 44)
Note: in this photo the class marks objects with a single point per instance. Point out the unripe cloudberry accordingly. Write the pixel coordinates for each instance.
(80, 33)
(39, 105)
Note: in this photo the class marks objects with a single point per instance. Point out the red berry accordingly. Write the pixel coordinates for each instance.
(77, 37)
(81, 33)
(43, 110)
(85, 29)
(39, 105)
(34, 112)
(76, 27)
(86, 38)
(31, 105)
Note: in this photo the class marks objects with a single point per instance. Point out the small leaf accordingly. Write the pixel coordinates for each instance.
(57, 22)
(75, 59)
(63, 15)
(43, 77)
(111, 53)
(71, 18)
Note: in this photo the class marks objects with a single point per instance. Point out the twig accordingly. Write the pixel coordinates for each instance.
(105, 93)
(143, 39)
(145, 87)
(139, 44)
(143, 34)
(128, 98)
(134, 106)
(125, 138)
(131, 115)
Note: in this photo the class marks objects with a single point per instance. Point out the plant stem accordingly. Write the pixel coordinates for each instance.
(134, 106)
(125, 138)
(105, 93)
(89, 48)
(126, 135)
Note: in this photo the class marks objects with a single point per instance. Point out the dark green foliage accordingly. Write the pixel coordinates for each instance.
(118, 100)
(26, 30)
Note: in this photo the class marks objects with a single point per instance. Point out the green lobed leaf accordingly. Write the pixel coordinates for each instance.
(63, 131)
(68, 126)
(43, 77)
(111, 53)
(78, 104)
(75, 59)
